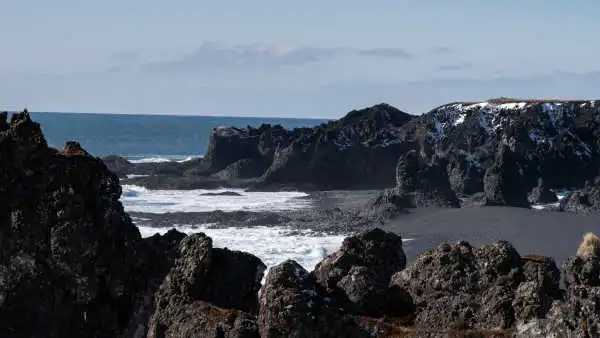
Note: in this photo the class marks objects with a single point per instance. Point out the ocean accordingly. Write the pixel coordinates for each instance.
(145, 137)
(153, 138)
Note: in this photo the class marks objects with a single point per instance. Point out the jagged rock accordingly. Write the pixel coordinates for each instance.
(357, 276)
(69, 254)
(503, 182)
(541, 194)
(291, 307)
(586, 200)
(458, 286)
(576, 313)
(208, 292)
(357, 151)
(418, 184)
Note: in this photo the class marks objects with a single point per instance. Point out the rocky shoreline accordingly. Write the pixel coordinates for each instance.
(73, 264)
(495, 152)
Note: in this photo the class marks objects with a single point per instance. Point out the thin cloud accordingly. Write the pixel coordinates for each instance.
(443, 50)
(215, 56)
(456, 66)
(386, 53)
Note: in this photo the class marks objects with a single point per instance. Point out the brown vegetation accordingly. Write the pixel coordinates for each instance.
(589, 247)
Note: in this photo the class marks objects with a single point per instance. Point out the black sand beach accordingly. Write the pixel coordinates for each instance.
(549, 233)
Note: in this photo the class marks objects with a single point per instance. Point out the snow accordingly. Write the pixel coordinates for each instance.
(459, 120)
(512, 105)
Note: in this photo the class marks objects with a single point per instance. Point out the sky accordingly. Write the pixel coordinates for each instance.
(291, 59)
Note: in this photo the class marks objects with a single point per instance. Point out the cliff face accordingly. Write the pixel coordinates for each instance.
(554, 140)
(483, 145)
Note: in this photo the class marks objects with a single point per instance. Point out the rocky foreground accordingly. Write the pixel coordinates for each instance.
(506, 152)
(72, 264)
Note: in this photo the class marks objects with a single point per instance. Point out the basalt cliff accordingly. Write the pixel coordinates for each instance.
(72, 264)
(496, 152)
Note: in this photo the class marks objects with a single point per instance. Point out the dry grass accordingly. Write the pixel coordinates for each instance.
(71, 152)
(400, 327)
(535, 258)
(516, 100)
(589, 247)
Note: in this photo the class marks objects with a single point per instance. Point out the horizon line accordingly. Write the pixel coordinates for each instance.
(173, 114)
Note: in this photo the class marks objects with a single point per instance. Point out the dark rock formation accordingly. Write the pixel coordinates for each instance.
(357, 151)
(243, 169)
(118, 165)
(552, 140)
(488, 287)
(357, 276)
(71, 261)
(585, 200)
(422, 184)
(73, 265)
(208, 292)
(503, 183)
(577, 315)
(291, 307)
(224, 193)
(541, 194)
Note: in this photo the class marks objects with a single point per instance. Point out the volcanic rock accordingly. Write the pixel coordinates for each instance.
(458, 286)
(585, 200)
(70, 258)
(503, 182)
(541, 194)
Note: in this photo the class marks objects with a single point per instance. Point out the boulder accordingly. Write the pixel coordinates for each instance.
(291, 307)
(357, 276)
(208, 292)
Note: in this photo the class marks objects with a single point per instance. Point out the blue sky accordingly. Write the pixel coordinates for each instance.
(283, 58)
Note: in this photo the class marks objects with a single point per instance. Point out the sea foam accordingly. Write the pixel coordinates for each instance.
(272, 245)
(140, 199)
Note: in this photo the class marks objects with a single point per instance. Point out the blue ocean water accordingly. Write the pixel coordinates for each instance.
(139, 137)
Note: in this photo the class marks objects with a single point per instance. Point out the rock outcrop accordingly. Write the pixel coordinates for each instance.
(456, 285)
(71, 261)
(357, 151)
(479, 145)
(585, 200)
(503, 183)
(541, 194)
(208, 293)
(357, 276)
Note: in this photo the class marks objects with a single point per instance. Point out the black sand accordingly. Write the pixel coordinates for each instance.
(555, 234)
